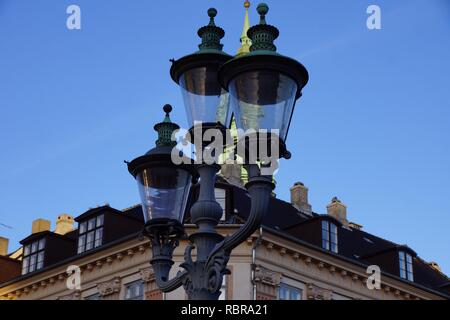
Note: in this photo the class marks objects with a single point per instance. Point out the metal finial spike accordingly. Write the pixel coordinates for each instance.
(167, 109)
(262, 9)
(212, 13)
(247, 4)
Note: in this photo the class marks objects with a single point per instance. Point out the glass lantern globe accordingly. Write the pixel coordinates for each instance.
(164, 192)
(263, 99)
(204, 99)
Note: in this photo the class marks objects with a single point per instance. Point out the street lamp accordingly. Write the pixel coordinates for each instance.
(204, 99)
(163, 186)
(164, 189)
(264, 87)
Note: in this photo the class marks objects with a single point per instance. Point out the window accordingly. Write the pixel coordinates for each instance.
(286, 292)
(406, 266)
(134, 291)
(223, 289)
(221, 198)
(93, 297)
(329, 236)
(33, 256)
(90, 234)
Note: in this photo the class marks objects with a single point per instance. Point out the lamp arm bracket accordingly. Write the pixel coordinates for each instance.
(163, 245)
(172, 284)
(260, 189)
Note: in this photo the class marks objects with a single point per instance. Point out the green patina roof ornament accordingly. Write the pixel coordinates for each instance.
(263, 35)
(165, 129)
(209, 54)
(211, 34)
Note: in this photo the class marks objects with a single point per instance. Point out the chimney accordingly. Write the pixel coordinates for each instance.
(435, 266)
(338, 210)
(64, 224)
(40, 225)
(3, 246)
(299, 198)
(355, 226)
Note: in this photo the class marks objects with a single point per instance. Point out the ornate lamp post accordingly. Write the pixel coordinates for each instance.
(263, 86)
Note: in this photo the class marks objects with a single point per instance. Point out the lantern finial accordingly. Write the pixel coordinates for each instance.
(211, 34)
(263, 35)
(165, 129)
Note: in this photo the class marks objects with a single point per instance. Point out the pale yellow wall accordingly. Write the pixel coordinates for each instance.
(242, 285)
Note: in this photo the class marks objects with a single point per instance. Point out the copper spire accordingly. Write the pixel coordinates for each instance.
(245, 40)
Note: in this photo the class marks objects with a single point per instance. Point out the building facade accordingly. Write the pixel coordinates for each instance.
(296, 255)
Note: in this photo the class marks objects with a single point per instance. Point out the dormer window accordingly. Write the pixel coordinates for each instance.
(329, 236)
(90, 234)
(406, 266)
(33, 256)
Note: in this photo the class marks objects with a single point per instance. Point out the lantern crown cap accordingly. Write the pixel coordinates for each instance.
(211, 34)
(166, 129)
(263, 35)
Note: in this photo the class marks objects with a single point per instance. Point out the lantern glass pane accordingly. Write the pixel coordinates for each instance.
(164, 192)
(263, 99)
(204, 99)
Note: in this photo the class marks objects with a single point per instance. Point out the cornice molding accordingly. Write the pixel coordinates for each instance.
(76, 295)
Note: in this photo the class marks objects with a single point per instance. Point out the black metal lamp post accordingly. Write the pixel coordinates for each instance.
(264, 87)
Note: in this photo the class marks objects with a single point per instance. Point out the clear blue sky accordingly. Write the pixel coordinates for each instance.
(373, 127)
